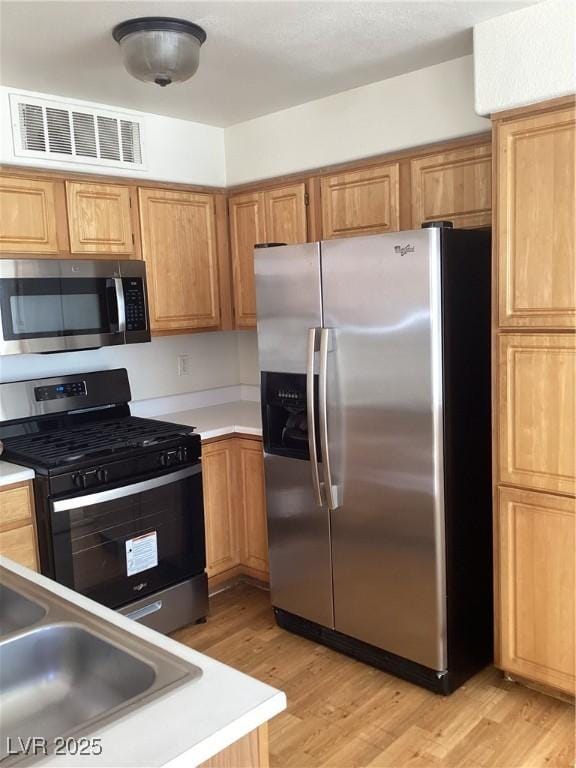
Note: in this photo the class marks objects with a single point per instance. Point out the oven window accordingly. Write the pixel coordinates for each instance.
(51, 307)
(121, 550)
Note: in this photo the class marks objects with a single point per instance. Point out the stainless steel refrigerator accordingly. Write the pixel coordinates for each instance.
(375, 373)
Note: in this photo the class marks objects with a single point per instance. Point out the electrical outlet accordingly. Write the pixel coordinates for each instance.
(183, 365)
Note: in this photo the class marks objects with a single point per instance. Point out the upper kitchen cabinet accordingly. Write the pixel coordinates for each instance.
(535, 220)
(363, 202)
(454, 186)
(179, 245)
(100, 219)
(286, 214)
(247, 227)
(277, 215)
(32, 217)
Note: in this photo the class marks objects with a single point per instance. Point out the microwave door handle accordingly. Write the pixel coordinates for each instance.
(120, 304)
(311, 414)
(126, 490)
(330, 489)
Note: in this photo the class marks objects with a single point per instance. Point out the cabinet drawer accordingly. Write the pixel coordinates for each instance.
(537, 411)
(19, 544)
(536, 583)
(15, 505)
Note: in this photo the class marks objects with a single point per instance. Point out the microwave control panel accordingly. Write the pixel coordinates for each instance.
(135, 304)
(59, 391)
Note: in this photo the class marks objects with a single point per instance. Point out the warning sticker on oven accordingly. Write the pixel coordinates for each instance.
(141, 553)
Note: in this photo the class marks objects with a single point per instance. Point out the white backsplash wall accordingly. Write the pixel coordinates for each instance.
(248, 368)
(152, 368)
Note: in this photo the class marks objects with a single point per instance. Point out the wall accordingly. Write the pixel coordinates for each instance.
(432, 104)
(175, 150)
(525, 57)
(248, 367)
(152, 368)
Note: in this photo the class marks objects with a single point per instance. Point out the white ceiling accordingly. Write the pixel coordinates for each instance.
(259, 57)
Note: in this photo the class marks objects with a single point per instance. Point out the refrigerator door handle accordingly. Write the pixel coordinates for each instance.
(311, 413)
(330, 490)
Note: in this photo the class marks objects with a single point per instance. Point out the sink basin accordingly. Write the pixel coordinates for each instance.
(67, 671)
(59, 677)
(17, 612)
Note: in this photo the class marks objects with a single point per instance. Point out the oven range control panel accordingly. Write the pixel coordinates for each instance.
(59, 391)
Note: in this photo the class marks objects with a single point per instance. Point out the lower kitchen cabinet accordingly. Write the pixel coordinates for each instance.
(235, 508)
(220, 506)
(536, 586)
(252, 499)
(17, 531)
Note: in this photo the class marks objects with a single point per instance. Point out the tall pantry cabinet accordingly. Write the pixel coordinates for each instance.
(535, 393)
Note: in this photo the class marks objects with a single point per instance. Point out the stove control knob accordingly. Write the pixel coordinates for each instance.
(102, 475)
(181, 455)
(78, 480)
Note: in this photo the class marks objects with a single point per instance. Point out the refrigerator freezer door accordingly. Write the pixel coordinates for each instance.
(384, 421)
(289, 302)
(299, 542)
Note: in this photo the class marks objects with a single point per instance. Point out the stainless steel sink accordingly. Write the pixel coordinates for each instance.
(64, 671)
(17, 612)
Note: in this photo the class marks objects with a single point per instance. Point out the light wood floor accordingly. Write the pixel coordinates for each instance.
(345, 714)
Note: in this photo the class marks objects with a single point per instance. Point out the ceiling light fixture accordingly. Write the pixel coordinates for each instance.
(160, 50)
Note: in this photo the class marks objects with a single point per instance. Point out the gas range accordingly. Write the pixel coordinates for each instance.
(118, 498)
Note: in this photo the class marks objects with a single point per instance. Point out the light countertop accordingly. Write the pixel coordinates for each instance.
(14, 473)
(183, 727)
(241, 416)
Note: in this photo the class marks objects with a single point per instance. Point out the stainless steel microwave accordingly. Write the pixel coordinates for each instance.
(61, 305)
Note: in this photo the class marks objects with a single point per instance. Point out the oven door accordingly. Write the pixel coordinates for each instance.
(121, 544)
(58, 305)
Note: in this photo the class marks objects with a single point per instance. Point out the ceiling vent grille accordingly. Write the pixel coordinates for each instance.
(46, 129)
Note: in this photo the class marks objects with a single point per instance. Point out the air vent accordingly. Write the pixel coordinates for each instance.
(46, 129)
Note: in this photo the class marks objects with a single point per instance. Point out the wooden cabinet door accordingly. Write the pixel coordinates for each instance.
(537, 411)
(180, 250)
(28, 216)
(453, 186)
(253, 499)
(99, 218)
(536, 586)
(17, 529)
(361, 202)
(286, 214)
(247, 227)
(535, 220)
(221, 506)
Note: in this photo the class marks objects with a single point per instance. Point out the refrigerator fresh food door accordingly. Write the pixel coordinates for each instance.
(382, 417)
(289, 310)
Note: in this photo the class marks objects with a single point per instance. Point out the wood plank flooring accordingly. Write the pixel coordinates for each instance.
(344, 714)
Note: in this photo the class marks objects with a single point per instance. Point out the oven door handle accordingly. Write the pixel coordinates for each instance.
(64, 505)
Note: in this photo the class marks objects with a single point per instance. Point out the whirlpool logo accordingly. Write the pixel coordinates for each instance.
(403, 249)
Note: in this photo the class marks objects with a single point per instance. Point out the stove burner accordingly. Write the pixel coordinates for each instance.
(91, 441)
